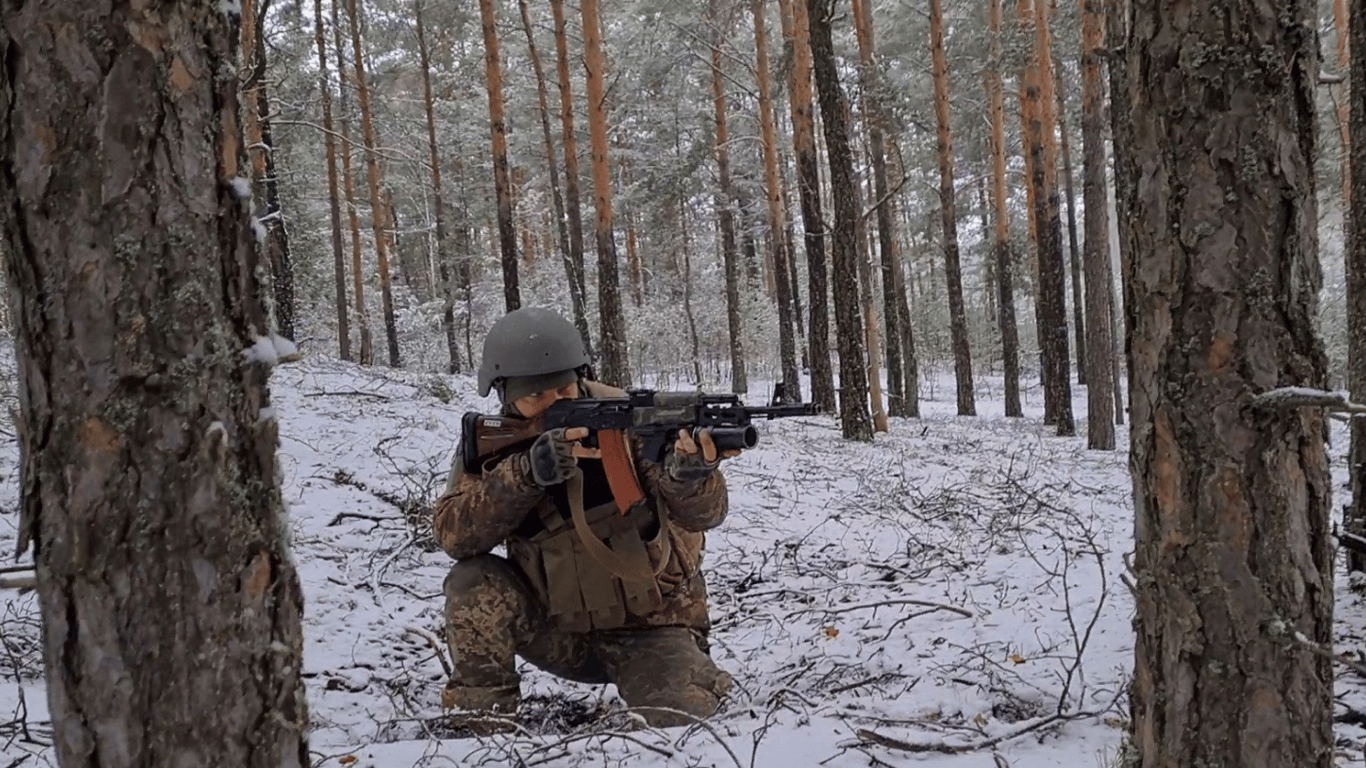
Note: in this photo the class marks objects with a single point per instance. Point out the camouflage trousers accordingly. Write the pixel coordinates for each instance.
(493, 616)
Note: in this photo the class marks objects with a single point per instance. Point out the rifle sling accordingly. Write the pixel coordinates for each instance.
(632, 569)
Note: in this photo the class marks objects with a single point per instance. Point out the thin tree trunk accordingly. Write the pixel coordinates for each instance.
(1354, 516)
(725, 215)
(958, 321)
(777, 225)
(376, 205)
(438, 203)
(171, 607)
(367, 354)
(616, 368)
(571, 174)
(1100, 414)
(1078, 302)
(1233, 563)
(809, 194)
(853, 389)
(333, 191)
(502, 181)
(910, 365)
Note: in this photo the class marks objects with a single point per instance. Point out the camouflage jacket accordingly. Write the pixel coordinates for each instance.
(501, 504)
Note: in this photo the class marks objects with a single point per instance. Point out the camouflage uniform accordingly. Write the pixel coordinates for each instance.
(566, 612)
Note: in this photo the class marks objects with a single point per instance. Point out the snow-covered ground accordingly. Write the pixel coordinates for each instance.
(948, 595)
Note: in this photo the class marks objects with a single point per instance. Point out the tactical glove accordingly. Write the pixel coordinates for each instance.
(685, 467)
(551, 458)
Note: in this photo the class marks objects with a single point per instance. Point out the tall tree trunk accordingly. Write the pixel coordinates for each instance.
(853, 390)
(1100, 406)
(367, 354)
(372, 173)
(151, 494)
(777, 224)
(1051, 299)
(809, 194)
(867, 292)
(261, 146)
(910, 365)
(502, 181)
(875, 121)
(333, 190)
(725, 214)
(958, 321)
(571, 174)
(1233, 562)
(1078, 302)
(1355, 222)
(443, 257)
(1344, 99)
(616, 368)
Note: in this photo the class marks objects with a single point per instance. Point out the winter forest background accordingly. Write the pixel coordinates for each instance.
(727, 195)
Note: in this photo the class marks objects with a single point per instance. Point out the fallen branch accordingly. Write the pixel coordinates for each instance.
(1285, 398)
(19, 581)
(348, 393)
(436, 646)
(957, 749)
(882, 603)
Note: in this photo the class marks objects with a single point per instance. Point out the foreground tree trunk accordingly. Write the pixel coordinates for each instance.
(1100, 405)
(855, 422)
(1355, 515)
(376, 203)
(725, 213)
(809, 195)
(333, 186)
(958, 320)
(572, 207)
(171, 608)
(1233, 562)
(1005, 317)
(616, 368)
(502, 181)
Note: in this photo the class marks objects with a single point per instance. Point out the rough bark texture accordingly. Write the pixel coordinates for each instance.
(813, 226)
(616, 368)
(1074, 254)
(367, 352)
(725, 214)
(853, 389)
(1100, 405)
(777, 217)
(572, 207)
(1355, 514)
(171, 608)
(958, 320)
(443, 255)
(1232, 555)
(1005, 317)
(333, 186)
(502, 181)
(367, 124)
(876, 124)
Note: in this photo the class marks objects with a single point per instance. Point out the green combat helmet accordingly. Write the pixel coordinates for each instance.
(529, 342)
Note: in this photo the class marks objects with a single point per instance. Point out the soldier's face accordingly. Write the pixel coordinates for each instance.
(534, 404)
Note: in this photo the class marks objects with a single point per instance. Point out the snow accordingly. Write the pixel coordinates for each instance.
(955, 585)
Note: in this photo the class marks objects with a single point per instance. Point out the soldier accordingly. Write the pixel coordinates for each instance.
(617, 597)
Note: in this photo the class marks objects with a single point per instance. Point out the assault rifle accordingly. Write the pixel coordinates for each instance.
(654, 417)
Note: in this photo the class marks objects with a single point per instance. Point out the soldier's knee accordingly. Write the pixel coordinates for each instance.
(482, 581)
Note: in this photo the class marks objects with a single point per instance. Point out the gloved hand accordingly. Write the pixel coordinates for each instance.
(551, 458)
(694, 459)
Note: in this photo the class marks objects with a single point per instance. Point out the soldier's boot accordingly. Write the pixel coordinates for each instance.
(485, 605)
(665, 676)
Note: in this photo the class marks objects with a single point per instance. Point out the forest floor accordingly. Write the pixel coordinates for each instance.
(948, 595)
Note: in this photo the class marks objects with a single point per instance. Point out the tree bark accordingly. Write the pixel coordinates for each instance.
(616, 368)
(853, 390)
(443, 257)
(367, 354)
(502, 181)
(1078, 302)
(813, 225)
(171, 607)
(333, 184)
(1001, 249)
(1100, 406)
(875, 121)
(958, 321)
(573, 209)
(376, 204)
(1355, 223)
(725, 213)
(1233, 561)
(777, 225)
